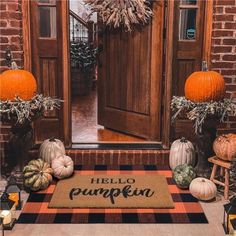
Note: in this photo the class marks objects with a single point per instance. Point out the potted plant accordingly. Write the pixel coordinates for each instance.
(83, 64)
(19, 107)
(205, 104)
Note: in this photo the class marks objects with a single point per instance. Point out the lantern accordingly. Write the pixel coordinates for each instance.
(14, 193)
(232, 226)
(6, 218)
(229, 214)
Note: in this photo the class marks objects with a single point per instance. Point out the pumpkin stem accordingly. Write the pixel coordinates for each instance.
(183, 140)
(203, 180)
(52, 140)
(204, 66)
(14, 66)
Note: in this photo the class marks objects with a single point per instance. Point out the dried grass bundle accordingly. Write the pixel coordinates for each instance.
(122, 12)
(21, 111)
(199, 112)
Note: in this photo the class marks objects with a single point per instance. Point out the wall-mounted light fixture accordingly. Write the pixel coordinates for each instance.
(8, 57)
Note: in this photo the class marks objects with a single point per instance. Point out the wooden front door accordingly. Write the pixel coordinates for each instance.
(49, 58)
(130, 77)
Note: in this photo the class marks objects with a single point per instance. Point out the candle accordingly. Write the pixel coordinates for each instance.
(6, 215)
(14, 197)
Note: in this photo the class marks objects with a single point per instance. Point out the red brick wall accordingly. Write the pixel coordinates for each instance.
(223, 56)
(10, 31)
(10, 36)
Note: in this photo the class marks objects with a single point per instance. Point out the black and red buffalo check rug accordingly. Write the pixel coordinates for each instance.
(187, 208)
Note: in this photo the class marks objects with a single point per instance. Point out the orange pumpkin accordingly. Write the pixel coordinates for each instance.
(17, 82)
(225, 147)
(205, 86)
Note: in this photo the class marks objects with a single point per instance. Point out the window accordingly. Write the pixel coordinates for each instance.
(188, 10)
(187, 24)
(47, 18)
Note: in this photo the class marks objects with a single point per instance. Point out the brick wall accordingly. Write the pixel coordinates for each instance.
(10, 36)
(223, 56)
(10, 31)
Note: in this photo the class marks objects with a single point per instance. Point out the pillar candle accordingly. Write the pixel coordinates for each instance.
(6, 215)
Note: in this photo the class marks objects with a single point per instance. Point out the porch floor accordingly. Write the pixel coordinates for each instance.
(84, 123)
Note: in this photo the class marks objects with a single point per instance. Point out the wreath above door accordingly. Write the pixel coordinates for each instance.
(125, 13)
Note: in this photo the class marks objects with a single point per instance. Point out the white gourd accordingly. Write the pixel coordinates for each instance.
(50, 149)
(62, 166)
(203, 189)
(181, 152)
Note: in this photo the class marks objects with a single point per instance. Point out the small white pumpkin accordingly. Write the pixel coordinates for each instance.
(203, 189)
(50, 149)
(62, 166)
(181, 152)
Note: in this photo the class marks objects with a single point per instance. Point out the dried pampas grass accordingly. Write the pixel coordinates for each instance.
(122, 12)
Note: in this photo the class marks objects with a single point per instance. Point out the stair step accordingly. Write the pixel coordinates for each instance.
(115, 157)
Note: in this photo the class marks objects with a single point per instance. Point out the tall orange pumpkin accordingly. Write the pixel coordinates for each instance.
(17, 82)
(205, 86)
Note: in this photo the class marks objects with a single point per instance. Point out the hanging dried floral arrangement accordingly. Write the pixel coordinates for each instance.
(125, 13)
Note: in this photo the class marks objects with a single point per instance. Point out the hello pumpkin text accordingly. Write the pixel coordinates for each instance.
(111, 193)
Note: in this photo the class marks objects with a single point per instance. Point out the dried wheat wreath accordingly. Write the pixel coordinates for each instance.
(125, 13)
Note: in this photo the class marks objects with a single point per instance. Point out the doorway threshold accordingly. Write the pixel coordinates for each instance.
(118, 146)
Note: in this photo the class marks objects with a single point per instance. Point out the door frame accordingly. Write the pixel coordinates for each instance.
(167, 83)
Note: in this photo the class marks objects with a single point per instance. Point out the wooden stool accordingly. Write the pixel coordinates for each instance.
(224, 172)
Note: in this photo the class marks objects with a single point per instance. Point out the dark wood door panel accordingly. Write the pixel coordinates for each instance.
(128, 122)
(129, 75)
(130, 78)
(183, 69)
(187, 53)
(47, 64)
(48, 47)
(49, 83)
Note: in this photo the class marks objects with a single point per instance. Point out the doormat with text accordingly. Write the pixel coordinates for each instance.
(187, 209)
(112, 191)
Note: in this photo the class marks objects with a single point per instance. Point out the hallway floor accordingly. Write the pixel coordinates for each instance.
(84, 123)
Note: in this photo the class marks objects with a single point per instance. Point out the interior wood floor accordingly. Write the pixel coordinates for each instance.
(84, 123)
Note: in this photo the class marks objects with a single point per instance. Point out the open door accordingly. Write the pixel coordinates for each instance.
(130, 78)
(49, 26)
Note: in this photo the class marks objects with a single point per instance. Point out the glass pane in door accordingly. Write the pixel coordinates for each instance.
(47, 22)
(47, 1)
(187, 24)
(188, 2)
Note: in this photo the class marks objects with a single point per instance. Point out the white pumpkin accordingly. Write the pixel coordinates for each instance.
(203, 189)
(62, 166)
(181, 152)
(50, 149)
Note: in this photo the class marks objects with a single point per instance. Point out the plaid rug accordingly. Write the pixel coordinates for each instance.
(187, 208)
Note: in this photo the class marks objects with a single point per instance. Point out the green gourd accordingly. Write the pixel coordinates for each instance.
(37, 175)
(183, 175)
